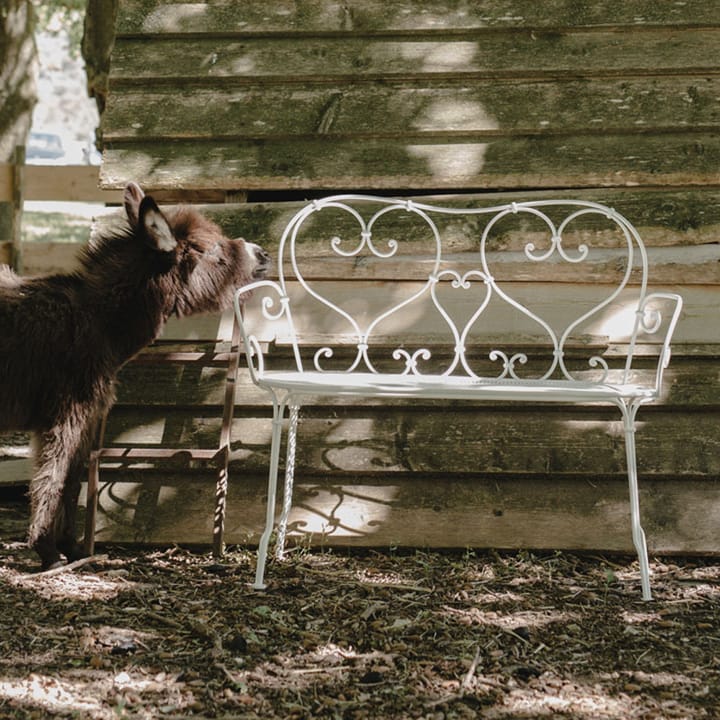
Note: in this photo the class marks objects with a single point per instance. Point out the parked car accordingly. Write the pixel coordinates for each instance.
(44, 146)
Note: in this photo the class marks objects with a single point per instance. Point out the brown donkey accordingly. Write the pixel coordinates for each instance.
(63, 339)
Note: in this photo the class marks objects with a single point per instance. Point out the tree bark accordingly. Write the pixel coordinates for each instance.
(18, 71)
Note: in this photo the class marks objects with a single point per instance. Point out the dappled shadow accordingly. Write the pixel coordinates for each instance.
(376, 635)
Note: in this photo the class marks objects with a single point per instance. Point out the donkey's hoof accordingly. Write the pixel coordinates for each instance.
(73, 551)
(52, 565)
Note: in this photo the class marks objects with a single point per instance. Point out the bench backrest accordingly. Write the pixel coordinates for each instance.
(486, 292)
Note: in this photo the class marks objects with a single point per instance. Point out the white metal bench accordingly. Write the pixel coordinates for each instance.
(501, 344)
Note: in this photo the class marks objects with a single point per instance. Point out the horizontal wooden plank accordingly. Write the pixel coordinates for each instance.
(664, 217)
(517, 55)
(689, 265)
(44, 258)
(443, 439)
(405, 110)
(65, 183)
(690, 382)
(70, 183)
(611, 160)
(506, 249)
(697, 323)
(679, 515)
(371, 16)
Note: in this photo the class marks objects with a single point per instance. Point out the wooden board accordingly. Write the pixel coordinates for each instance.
(680, 158)
(66, 183)
(664, 217)
(405, 110)
(417, 95)
(145, 17)
(680, 516)
(522, 54)
(444, 440)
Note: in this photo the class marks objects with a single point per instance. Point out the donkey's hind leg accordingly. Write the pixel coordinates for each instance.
(67, 542)
(46, 490)
(53, 493)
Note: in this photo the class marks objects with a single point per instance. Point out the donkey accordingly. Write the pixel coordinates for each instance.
(64, 337)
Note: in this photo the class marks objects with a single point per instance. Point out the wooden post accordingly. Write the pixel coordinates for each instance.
(18, 180)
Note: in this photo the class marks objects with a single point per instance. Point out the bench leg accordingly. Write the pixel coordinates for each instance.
(638, 534)
(277, 423)
(289, 480)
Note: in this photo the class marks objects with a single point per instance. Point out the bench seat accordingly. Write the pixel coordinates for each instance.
(453, 387)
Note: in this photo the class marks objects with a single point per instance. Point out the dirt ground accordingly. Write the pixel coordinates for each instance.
(172, 633)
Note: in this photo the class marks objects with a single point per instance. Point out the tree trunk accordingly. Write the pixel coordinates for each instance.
(18, 69)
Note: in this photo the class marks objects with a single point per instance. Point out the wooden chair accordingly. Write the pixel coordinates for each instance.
(208, 353)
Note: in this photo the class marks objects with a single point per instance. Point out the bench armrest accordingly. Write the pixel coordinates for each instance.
(661, 323)
(274, 305)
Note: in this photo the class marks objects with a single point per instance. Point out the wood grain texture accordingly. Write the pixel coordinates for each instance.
(679, 516)
(406, 110)
(503, 100)
(611, 160)
(521, 54)
(147, 17)
(418, 95)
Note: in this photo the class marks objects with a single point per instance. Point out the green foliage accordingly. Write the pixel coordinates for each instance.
(55, 227)
(54, 16)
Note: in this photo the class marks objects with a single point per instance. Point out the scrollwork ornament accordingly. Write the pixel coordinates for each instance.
(508, 363)
(323, 353)
(650, 320)
(556, 245)
(598, 362)
(411, 361)
(268, 303)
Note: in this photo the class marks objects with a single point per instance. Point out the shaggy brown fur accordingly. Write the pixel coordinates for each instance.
(64, 337)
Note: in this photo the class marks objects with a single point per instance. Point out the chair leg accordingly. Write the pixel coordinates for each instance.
(221, 486)
(278, 413)
(91, 503)
(638, 534)
(289, 480)
(93, 483)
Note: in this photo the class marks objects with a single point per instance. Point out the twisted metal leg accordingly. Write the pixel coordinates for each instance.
(277, 422)
(638, 534)
(289, 479)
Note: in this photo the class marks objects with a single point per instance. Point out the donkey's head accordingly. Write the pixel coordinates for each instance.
(197, 266)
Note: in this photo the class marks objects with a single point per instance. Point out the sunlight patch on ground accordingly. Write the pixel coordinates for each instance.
(509, 621)
(51, 695)
(636, 618)
(570, 699)
(386, 579)
(96, 695)
(68, 585)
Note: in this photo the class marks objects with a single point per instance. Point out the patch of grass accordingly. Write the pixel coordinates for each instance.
(55, 227)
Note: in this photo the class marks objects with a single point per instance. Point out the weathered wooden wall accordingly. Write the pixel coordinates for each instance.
(499, 99)
(414, 94)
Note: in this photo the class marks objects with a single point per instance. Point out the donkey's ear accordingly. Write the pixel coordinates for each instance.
(155, 226)
(132, 197)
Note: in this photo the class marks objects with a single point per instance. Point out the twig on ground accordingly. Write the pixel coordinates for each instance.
(471, 672)
(73, 565)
